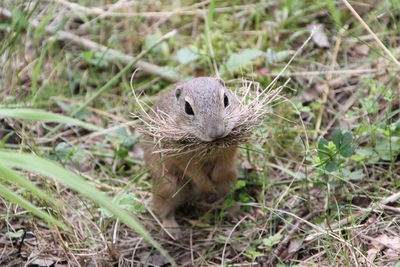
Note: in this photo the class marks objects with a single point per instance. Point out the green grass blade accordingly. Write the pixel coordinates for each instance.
(335, 12)
(13, 197)
(42, 115)
(77, 183)
(10, 175)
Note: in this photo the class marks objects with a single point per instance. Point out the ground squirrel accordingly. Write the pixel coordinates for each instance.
(200, 107)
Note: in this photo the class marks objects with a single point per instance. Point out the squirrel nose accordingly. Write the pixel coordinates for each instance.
(216, 131)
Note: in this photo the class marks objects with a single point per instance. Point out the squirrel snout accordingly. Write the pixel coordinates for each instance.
(216, 131)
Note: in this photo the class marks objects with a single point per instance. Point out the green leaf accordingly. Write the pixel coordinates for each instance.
(388, 148)
(366, 153)
(238, 60)
(122, 137)
(337, 138)
(229, 202)
(169, 71)
(347, 138)
(347, 151)
(122, 152)
(186, 55)
(239, 184)
(151, 40)
(65, 153)
(273, 57)
(125, 201)
(17, 234)
(347, 175)
(253, 254)
(99, 59)
(322, 143)
(356, 175)
(272, 241)
(42, 115)
(244, 197)
(323, 151)
(50, 169)
(331, 165)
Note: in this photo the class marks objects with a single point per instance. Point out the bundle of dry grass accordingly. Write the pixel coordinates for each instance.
(170, 139)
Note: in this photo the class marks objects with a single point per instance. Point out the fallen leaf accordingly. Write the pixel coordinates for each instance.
(293, 202)
(362, 50)
(158, 259)
(391, 242)
(392, 255)
(371, 221)
(371, 254)
(312, 93)
(239, 246)
(295, 245)
(319, 37)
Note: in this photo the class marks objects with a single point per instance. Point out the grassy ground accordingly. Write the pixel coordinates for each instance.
(319, 183)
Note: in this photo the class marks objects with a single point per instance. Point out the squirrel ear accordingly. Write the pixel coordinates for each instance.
(220, 81)
(178, 92)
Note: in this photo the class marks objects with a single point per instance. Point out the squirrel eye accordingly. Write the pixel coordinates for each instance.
(188, 108)
(226, 100)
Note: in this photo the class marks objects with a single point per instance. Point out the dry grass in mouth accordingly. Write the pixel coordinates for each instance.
(170, 139)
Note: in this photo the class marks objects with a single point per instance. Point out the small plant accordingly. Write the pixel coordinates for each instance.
(331, 154)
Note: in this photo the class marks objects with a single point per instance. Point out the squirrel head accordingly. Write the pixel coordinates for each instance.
(207, 108)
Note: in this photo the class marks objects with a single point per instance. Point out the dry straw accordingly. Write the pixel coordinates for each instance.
(170, 139)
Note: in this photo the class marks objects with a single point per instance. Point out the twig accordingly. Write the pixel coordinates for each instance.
(390, 208)
(390, 199)
(334, 72)
(371, 32)
(93, 46)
